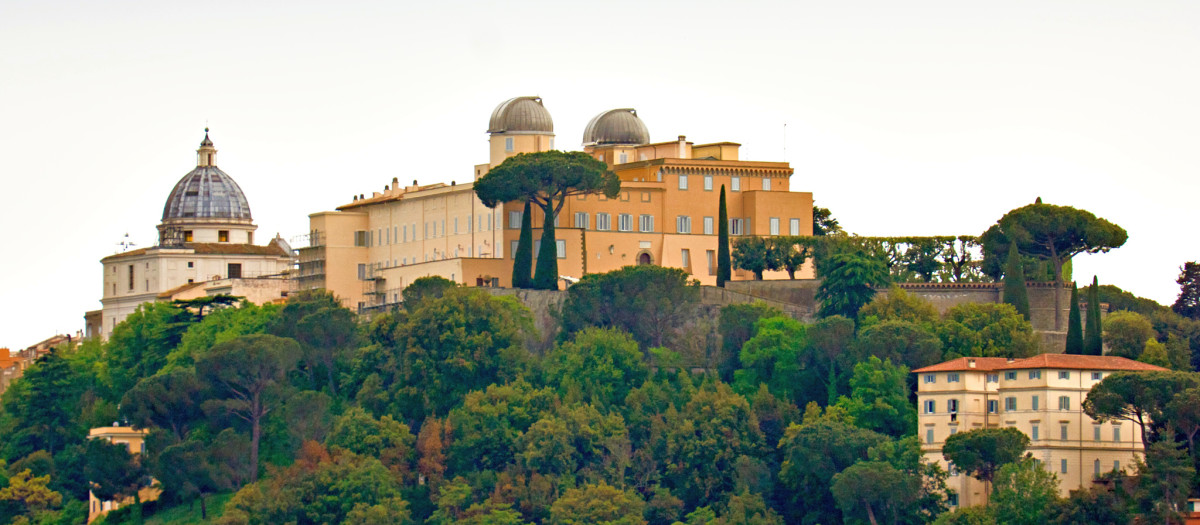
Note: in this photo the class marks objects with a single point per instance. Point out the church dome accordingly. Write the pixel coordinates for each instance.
(521, 115)
(617, 126)
(206, 193)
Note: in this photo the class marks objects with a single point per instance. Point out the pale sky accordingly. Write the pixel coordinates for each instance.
(905, 118)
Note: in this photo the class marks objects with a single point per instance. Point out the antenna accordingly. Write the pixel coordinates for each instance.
(785, 141)
(126, 244)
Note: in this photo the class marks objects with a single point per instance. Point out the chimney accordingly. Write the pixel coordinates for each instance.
(970, 363)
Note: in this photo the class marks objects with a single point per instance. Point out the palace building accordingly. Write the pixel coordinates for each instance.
(205, 247)
(367, 250)
(1041, 396)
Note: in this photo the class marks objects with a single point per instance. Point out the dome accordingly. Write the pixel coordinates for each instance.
(521, 115)
(207, 192)
(617, 126)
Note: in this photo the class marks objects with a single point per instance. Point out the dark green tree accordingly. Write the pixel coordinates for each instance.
(981, 452)
(1054, 234)
(170, 401)
(1074, 324)
(522, 276)
(879, 398)
(1126, 333)
(41, 408)
(489, 423)
(422, 288)
(546, 179)
(773, 358)
(647, 301)
(824, 223)
(326, 332)
(813, 453)
(113, 473)
(1188, 302)
(986, 330)
(1140, 397)
(246, 375)
(1165, 480)
(789, 254)
(187, 471)
(754, 254)
(848, 282)
(1015, 292)
(724, 264)
(199, 305)
(1093, 342)
(597, 366)
(903, 342)
(868, 488)
(736, 326)
(139, 345)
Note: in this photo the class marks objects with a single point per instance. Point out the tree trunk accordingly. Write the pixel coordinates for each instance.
(758, 275)
(329, 373)
(870, 513)
(255, 434)
(203, 508)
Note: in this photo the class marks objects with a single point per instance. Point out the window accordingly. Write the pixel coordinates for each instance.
(404, 229)
(646, 223)
(1116, 464)
(929, 436)
(766, 184)
(560, 248)
(952, 406)
(222, 235)
(1096, 376)
(952, 377)
(1063, 469)
(645, 196)
(712, 261)
(1010, 404)
(1096, 433)
(774, 225)
(187, 236)
(930, 378)
(624, 157)
(683, 182)
(708, 183)
(508, 144)
(953, 430)
(512, 251)
(1035, 403)
(1035, 374)
(1064, 402)
(1063, 374)
(603, 221)
(235, 271)
(735, 183)
(1010, 376)
(1096, 467)
(625, 196)
(685, 258)
(456, 225)
(581, 220)
(993, 378)
(952, 499)
(625, 222)
(131, 277)
(735, 226)
(683, 224)
(993, 406)
(1034, 433)
(930, 406)
(1062, 432)
(360, 238)
(191, 264)
(708, 225)
(794, 227)
(1116, 434)
(514, 221)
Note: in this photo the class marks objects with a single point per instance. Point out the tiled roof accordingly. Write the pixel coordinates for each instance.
(183, 287)
(1081, 362)
(1053, 361)
(986, 364)
(213, 248)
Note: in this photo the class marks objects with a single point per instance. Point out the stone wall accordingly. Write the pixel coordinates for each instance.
(544, 306)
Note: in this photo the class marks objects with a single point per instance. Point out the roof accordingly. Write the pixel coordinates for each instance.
(181, 288)
(206, 193)
(210, 248)
(616, 126)
(521, 115)
(1052, 361)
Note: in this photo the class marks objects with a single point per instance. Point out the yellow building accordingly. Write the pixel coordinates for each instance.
(1041, 396)
(136, 441)
(205, 247)
(370, 249)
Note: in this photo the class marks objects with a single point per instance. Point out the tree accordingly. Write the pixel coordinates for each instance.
(814, 452)
(976, 515)
(1188, 302)
(488, 425)
(546, 179)
(755, 254)
(869, 486)
(599, 504)
(325, 330)
(1140, 397)
(246, 375)
(1054, 234)
(789, 254)
(716, 428)
(1165, 480)
(1025, 493)
(824, 223)
(724, 268)
(422, 288)
(210, 302)
(522, 276)
(848, 282)
(898, 305)
(879, 398)
(1155, 353)
(41, 408)
(1093, 343)
(189, 471)
(170, 401)
(139, 345)
(986, 330)
(30, 494)
(981, 452)
(1126, 333)
(597, 366)
(579, 442)
(773, 358)
(385, 438)
(1074, 324)
(903, 342)
(647, 301)
(1183, 413)
(1015, 292)
(113, 473)
(736, 326)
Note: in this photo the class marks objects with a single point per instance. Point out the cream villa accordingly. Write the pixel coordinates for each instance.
(1042, 397)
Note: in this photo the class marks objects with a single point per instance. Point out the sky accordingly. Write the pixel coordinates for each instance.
(904, 118)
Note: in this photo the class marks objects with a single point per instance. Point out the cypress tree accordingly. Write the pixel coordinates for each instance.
(1093, 343)
(545, 274)
(1015, 292)
(523, 259)
(724, 271)
(1074, 324)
